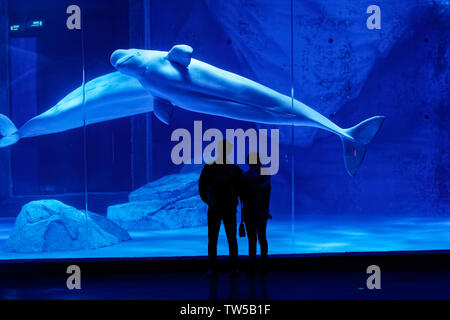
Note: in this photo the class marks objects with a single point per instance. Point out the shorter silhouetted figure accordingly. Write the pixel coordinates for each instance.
(219, 186)
(255, 198)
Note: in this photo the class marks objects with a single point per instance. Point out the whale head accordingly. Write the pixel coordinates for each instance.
(132, 62)
(137, 62)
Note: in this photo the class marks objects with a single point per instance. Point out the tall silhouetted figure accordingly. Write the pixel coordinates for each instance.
(255, 197)
(219, 187)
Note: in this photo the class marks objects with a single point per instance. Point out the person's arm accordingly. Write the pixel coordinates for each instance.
(203, 184)
(269, 189)
(239, 183)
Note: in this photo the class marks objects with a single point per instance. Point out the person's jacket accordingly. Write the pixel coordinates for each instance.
(255, 194)
(219, 185)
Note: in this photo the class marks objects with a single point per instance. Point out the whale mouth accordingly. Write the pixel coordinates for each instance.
(121, 56)
(122, 60)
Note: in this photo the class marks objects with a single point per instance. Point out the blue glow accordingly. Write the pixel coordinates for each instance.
(82, 104)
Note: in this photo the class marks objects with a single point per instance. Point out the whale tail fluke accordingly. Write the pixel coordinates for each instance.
(362, 134)
(8, 132)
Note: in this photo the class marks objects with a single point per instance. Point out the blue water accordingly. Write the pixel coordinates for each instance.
(313, 235)
(320, 51)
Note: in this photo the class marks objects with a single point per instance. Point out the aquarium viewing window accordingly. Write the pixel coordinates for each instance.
(110, 110)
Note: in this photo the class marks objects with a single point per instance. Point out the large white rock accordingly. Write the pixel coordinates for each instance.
(170, 202)
(184, 185)
(159, 215)
(50, 225)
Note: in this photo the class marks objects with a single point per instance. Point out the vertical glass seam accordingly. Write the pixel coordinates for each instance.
(292, 129)
(83, 69)
(148, 117)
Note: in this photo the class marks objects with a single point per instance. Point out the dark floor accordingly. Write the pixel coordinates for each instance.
(274, 285)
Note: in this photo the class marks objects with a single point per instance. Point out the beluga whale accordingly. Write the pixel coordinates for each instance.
(111, 96)
(175, 78)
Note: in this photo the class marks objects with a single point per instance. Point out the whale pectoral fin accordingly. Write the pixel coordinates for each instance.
(163, 110)
(181, 54)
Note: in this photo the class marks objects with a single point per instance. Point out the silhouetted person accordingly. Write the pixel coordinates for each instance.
(255, 197)
(219, 188)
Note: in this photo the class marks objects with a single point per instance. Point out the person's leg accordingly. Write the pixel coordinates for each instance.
(250, 227)
(213, 235)
(229, 221)
(262, 238)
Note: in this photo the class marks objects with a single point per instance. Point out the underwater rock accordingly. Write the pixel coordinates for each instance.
(159, 214)
(170, 202)
(168, 187)
(50, 225)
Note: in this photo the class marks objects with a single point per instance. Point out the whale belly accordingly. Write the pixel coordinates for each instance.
(218, 106)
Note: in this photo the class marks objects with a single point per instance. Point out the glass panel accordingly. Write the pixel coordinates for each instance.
(354, 61)
(239, 40)
(133, 179)
(110, 146)
(42, 187)
(113, 146)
